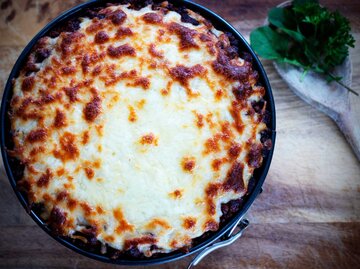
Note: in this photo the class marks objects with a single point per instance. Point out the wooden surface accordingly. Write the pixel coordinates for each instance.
(309, 213)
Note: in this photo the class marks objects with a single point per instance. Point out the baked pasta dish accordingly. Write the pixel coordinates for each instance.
(138, 125)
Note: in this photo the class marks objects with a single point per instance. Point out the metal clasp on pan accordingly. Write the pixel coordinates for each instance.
(226, 240)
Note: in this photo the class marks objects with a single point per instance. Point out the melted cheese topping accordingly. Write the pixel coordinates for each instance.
(138, 126)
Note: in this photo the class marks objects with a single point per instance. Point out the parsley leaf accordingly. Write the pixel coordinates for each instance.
(278, 17)
(269, 43)
(306, 35)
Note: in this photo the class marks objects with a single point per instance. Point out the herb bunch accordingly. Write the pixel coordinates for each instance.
(305, 35)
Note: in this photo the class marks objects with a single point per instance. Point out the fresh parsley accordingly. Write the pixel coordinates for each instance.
(305, 35)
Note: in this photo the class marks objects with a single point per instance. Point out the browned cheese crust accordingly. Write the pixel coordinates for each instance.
(87, 83)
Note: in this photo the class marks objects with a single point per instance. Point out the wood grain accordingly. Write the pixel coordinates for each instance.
(309, 213)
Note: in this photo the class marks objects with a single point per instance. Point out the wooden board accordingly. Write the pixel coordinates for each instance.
(309, 213)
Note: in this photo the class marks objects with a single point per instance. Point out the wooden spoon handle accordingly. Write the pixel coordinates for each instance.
(349, 124)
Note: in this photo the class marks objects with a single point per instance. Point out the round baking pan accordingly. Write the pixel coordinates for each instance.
(14, 168)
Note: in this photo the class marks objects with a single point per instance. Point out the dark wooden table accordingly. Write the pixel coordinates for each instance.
(309, 213)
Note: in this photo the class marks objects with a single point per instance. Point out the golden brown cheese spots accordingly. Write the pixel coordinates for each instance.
(123, 32)
(85, 137)
(219, 94)
(142, 82)
(235, 112)
(44, 180)
(211, 192)
(188, 164)
(212, 189)
(123, 50)
(233, 71)
(52, 83)
(216, 164)
(60, 119)
(71, 93)
(61, 196)
(226, 132)
(68, 70)
(173, 244)
(234, 180)
(160, 35)
(149, 139)
(189, 223)
(46, 98)
(89, 172)
(101, 37)
(176, 194)
(145, 240)
(152, 18)
(132, 114)
(123, 224)
(113, 78)
(182, 73)
(153, 224)
(36, 150)
(92, 109)
(199, 120)
(85, 63)
(186, 35)
(70, 43)
(24, 112)
(47, 197)
(234, 150)
(117, 17)
(100, 210)
(211, 225)
(164, 92)
(186, 240)
(95, 25)
(32, 170)
(88, 210)
(97, 164)
(27, 84)
(97, 70)
(60, 172)
(37, 135)
(99, 129)
(71, 203)
(212, 145)
(114, 100)
(140, 104)
(153, 52)
(68, 149)
(109, 238)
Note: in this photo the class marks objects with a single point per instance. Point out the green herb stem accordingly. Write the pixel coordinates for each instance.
(342, 84)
